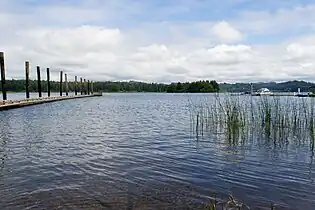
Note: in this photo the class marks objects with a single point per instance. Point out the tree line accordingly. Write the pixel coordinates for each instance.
(289, 86)
(194, 87)
(187, 87)
(131, 86)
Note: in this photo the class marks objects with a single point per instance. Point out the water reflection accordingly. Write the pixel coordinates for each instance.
(4, 138)
(311, 176)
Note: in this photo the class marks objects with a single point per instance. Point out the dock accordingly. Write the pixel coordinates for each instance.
(81, 89)
(13, 104)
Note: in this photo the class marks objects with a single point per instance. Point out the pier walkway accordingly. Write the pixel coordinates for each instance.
(13, 104)
(84, 87)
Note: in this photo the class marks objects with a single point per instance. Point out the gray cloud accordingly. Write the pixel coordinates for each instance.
(177, 70)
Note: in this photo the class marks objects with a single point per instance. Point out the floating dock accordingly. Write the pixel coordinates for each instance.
(13, 104)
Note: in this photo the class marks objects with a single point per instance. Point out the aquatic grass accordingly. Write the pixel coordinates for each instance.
(231, 203)
(275, 119)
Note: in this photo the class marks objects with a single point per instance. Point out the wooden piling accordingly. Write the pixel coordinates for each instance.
(48, 82)
(2, 67)
(66, 84)
(84, 82)
(39, 86)
(81, 85)
(27, 79)
(88, 87)
(76, 85)
(60, 84)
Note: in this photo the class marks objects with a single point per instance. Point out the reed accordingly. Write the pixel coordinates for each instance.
(231, 203)
(274, 119)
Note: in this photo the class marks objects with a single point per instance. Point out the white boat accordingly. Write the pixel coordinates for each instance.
(263, 92)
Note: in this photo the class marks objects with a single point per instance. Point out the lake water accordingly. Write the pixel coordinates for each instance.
(136, 151)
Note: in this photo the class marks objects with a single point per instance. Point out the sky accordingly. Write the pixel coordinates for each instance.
(161, 40)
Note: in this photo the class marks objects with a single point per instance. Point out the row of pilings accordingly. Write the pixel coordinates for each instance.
(84, 88)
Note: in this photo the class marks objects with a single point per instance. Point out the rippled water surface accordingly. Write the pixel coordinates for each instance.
(136, 151)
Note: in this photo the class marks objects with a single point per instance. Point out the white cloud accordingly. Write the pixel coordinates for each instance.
(226, 33)
(300, 51)
(222, 55)
(103, 53)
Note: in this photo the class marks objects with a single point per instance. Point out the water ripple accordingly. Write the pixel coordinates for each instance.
(135, 151)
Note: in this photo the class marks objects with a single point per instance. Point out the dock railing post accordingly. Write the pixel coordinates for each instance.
(27, 79)
(39, 86)
(3, 86)
(60, 84)
(76, 85)
(66, 81)
(48, 82)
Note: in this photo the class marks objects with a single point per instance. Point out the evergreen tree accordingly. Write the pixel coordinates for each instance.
(193, 87)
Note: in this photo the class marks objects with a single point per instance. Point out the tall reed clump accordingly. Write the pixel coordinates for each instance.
(275, 119)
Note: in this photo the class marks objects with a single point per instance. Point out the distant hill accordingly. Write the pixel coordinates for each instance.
(290, 86)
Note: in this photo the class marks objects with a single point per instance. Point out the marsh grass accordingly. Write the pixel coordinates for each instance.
(277, 120)
(231, 203)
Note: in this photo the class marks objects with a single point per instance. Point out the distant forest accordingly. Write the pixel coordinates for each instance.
(188, 87)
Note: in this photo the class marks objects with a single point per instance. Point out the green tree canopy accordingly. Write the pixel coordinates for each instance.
(108, 86)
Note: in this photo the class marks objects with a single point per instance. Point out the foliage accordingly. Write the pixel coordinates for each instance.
(187, 87)
(194, 87)
(131, 86)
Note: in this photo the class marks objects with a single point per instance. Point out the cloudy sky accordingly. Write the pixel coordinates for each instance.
(161, 40)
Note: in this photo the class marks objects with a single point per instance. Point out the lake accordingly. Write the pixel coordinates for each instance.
(137, 151)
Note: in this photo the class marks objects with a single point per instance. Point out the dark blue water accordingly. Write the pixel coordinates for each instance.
(136, 151)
